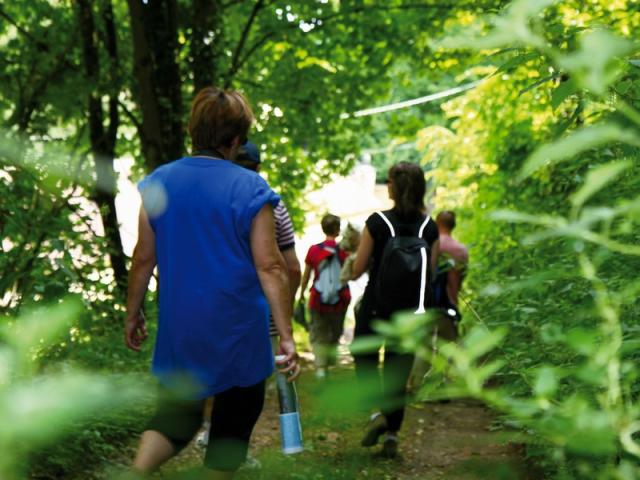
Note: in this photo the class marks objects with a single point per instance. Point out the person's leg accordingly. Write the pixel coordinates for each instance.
(366, 362)
(369, 388)
(203, 437)
(396, 371)
(337, 326)
(319, 334)
(423, 357)
(235, 413)
(172, 427)
(153, 451)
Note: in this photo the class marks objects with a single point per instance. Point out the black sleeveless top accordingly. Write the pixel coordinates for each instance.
(380, 233)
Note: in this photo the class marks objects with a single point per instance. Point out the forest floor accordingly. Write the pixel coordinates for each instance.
(456, 440)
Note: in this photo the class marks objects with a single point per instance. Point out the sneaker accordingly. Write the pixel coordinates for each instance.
(376, 427)
(321, 373)
(202, 440)
(251, 463)
(390, 446)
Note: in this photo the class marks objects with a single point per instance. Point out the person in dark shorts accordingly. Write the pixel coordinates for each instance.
(327, 316)
(407, 218)
(208, 226)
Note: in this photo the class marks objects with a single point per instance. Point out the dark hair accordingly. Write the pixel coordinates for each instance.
(248, 156)
(330, 225)
(248, 164)
(447, 218)
(409, 187)
(217, 117)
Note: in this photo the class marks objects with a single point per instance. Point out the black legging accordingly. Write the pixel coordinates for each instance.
(235, 413)
(390, 397)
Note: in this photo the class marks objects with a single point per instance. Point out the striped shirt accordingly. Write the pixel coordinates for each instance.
(285, 240)
(284, 227)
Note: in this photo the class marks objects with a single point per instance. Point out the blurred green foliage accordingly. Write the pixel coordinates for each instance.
(43, 404)
(539, 162)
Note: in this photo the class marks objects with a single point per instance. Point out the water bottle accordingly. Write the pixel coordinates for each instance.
(290, 429)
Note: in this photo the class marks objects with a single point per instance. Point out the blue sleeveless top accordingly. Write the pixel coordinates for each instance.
(213, 326)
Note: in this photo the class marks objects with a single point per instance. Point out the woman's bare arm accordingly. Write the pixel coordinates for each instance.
(273, 276)
(142, 265)
(363, 255)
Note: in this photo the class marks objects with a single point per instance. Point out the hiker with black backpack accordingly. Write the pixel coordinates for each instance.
(329, 298)
(399, 247)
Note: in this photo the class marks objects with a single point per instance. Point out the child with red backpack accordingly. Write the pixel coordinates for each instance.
(329, 297)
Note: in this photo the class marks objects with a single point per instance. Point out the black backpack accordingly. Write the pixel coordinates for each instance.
(402, 281)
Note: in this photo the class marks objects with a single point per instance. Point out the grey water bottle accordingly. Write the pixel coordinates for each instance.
(290, 428)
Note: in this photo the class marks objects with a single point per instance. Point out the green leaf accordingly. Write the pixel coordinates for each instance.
(582, 341)
(593, 440)
(37, 410)
(486, 371)
(480, 341)
(546, 382)
(594, 63)
(42, 325)
(516, 62)
(538, 83)
(624, 86)
(578, 141)
(519, 217)
(510, 29)
(597, 179)
(564, 91)
(366, 344)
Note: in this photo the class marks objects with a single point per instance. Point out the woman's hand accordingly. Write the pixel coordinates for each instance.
(135, 330)
(289, 364)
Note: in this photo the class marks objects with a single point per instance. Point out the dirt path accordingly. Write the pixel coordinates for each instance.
(438, 441)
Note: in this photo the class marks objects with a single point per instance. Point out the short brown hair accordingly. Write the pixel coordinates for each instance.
(447, 218)
(330, 225)
(217, 117)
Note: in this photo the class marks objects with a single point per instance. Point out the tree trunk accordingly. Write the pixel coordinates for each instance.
(206, 42)
(103, 140)
(159, 95)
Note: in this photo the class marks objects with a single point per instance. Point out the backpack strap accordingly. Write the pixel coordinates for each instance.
(392, 230)
(423, 281)
(423, 272)
(423, 226)
(386, 220)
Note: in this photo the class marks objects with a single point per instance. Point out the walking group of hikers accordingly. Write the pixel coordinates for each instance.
(228, 274)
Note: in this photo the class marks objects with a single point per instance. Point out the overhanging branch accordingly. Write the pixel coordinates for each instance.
(243, 39)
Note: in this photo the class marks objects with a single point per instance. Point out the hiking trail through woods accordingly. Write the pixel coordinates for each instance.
(455, 440)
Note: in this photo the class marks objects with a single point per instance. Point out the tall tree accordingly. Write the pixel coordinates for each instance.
(206, 42)
(158, 85)
(103, 139)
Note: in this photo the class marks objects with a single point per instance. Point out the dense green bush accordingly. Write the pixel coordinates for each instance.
(538, 161)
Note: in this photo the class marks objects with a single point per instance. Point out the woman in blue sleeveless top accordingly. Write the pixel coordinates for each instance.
(208, 226)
